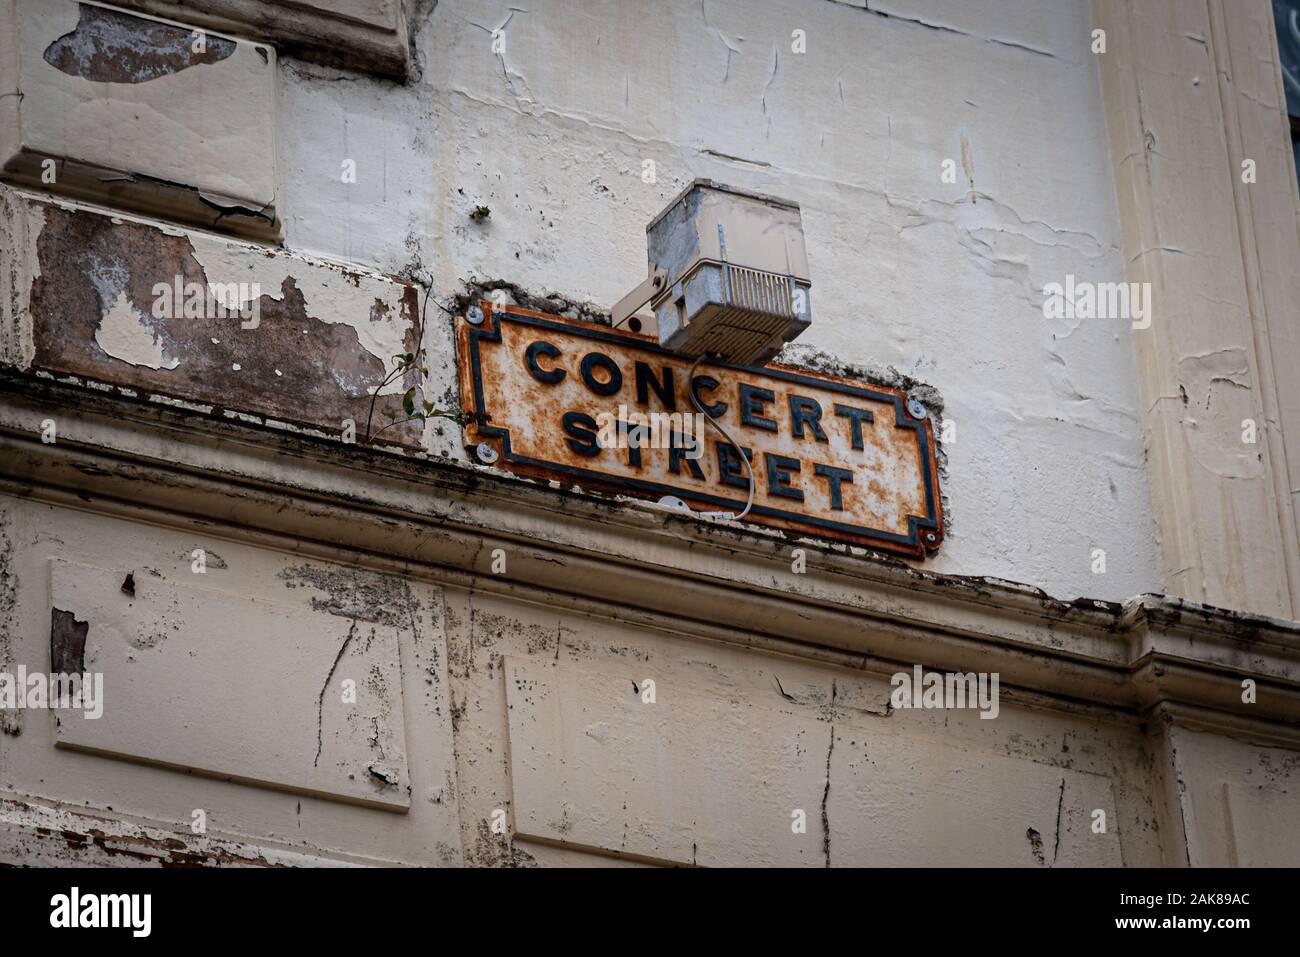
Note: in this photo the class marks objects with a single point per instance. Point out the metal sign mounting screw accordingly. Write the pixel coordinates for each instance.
(474, 316)
(486, 454)
(916, 408)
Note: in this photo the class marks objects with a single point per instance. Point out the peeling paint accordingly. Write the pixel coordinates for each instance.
(496, 850)
(330, 294)
(324, 340)
(109, 46)
(10, 720)
(67, 642)
(40, 835)
(100, 85)
(124, 334)
(968, 165)
(20, 229)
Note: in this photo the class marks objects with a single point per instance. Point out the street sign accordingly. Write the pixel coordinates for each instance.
(604, 409)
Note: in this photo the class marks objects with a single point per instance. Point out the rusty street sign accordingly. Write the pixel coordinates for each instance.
(592, 406)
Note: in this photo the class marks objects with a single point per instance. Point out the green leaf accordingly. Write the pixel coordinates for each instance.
(408, 401)
(390, 413)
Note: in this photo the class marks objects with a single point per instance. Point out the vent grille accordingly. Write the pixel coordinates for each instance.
(755, 316)
(763, 291)
(741, 333)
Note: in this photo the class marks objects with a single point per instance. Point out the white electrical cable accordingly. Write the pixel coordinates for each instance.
(749, 468)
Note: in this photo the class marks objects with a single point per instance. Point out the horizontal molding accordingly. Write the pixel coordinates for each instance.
(38, 832)
(376, 43)
(716, 581)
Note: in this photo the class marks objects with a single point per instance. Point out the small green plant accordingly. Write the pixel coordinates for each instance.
(480, 213)
(415, 411)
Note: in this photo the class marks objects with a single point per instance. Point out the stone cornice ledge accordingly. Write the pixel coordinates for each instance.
(377, 43)
(440, 520)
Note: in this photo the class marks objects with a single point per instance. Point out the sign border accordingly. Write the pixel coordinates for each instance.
(479, 428)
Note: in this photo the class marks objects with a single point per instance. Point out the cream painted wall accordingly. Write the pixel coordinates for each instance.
(519, 695)
(942, 282)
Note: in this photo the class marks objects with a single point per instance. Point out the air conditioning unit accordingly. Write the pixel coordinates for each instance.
(728, 275)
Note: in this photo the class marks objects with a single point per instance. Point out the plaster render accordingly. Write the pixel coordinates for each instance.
(1094, 696)
(318, 341)
(1224, 503)
(549, 677)
(272, 754)
(161, 643)
(95, 116)
(942, 282)
(122, 334)
(368, 35)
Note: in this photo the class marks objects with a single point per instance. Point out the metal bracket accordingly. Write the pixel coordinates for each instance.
(625, 310)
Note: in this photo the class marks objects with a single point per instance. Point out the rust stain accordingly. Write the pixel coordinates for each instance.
(832, 457)
(109, 46)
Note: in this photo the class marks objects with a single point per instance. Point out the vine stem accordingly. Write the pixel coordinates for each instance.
(422, 418)
(370, 416)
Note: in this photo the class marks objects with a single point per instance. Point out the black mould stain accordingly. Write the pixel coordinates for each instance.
(356, 594)
(109, 46)
(1036, 845)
